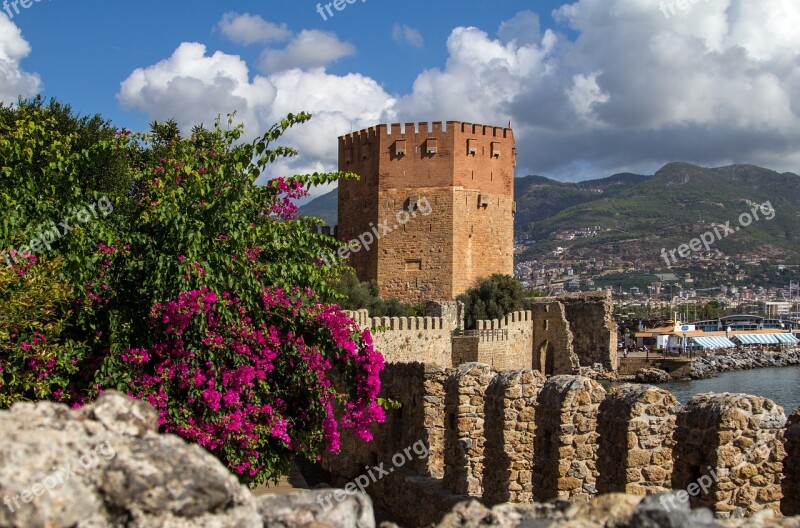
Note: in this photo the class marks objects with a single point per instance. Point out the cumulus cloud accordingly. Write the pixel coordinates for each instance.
(309, 49)
(251, 29)
(615, 86)
(403, 34)
(194, 86)
(14, 82)
(481, 78)
(524, 28)
(716, 83)
(703, 85)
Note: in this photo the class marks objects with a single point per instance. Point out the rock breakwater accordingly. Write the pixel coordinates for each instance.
(709, 366)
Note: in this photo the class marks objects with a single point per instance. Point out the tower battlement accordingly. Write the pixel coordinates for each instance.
(464, 170)
(438, 129)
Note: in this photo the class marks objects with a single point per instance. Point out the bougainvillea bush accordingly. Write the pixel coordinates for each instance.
(203, 298)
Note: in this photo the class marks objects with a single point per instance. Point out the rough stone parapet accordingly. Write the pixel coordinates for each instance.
(790, 504)
(512, 434)
(565, 445)
(510, 426)
(419, 389)
(734, 442)
(465, 434)
(636, 426)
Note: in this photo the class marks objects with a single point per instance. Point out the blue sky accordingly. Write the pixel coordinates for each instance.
(84, 49)
(593, 87)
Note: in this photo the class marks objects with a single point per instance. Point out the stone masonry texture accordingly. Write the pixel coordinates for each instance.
(565, 445)
(636, 426)
(510, 423)
(736, 442)
(465, 435)
(591, 322)
(553, 351)
(106, 465)
(790, 505)
(544, 338)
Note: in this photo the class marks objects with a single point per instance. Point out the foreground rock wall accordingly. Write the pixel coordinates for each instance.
(510, 425)
(734, 443)
(565, 444)
(105, 465)
(790, 505)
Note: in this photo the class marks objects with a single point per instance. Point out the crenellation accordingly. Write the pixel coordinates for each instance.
(540, 338)
(464, 428)
(566, 440)
(470, 222)
(510, 424)
(636, 426)
(513, 435)
(734, 443)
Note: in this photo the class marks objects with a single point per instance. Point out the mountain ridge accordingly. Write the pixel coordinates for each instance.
(634, 215)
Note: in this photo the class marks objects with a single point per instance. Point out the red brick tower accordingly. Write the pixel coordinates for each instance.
(462, 176)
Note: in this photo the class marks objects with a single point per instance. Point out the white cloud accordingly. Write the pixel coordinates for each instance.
(524, 27)
(403, 34)
(631, 90)
(14, 82)
(481, 79)
(714, 84)
(309, 49)
(194, 88)
(251, 29)
(585, 94)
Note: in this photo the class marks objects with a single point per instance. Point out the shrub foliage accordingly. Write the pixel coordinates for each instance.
(201, 294)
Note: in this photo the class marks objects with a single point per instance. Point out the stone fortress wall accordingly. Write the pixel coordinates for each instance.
(517, 436)
(557, 335)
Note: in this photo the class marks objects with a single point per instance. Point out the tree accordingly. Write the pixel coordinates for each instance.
(356, 295)
(101, 172)
(492, 298)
